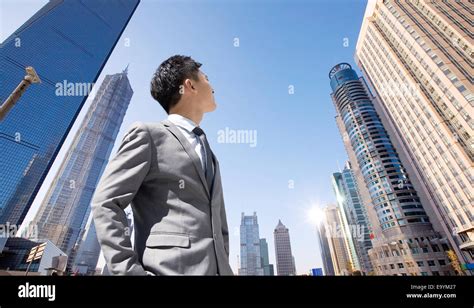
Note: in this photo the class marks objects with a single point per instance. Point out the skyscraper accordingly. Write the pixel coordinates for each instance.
(340, 253)
(284, 258)
(68, 43)
(354, 216)
(417, 56)
(404, 239)
(325, 250)
(64, 215)
(267, 267)
(348, 232)
(250, 258)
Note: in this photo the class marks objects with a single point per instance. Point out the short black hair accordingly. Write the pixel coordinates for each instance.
(169, 76)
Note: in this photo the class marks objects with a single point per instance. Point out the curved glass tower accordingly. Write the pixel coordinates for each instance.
(405, 231)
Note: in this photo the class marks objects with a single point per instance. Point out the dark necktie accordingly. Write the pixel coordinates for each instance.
(208, 170)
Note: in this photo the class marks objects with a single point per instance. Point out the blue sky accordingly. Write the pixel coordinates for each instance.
(283, 45)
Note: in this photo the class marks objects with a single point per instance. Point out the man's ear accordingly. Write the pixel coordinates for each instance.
(188, 84)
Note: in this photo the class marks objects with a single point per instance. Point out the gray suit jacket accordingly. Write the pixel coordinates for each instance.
(180, 227)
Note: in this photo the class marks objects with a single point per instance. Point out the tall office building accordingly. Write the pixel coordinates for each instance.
(267, 267)
(347, 231)
(68, 43)
(340, 253)
(405, 241)
(417, 56)
(250, 258)
(324, 248)
(64, 215)
(285, 261)
(354, 218)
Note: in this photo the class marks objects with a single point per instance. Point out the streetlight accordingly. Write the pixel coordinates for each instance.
(31, 77)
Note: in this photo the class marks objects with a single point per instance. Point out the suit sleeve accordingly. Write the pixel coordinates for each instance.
(225, 229)
(117, 187)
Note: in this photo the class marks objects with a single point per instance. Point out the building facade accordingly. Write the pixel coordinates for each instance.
(417, 56)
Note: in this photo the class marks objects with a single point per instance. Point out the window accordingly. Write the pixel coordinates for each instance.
(400, 265)
(442, 262)
(431, 263)
(420, 263)
(392, 266)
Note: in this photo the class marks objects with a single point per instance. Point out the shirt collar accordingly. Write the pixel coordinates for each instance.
(181, 121)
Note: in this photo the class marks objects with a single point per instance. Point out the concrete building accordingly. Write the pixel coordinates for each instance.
(284, 258)
(417, 57)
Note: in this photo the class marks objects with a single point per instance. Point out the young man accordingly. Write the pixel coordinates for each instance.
(168, 174)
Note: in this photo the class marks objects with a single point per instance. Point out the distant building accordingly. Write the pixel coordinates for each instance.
(325, 249)
(250, 257)
(337, 241)
(316, 271)
(267, 267)
(284, 258)
(15, 254)
(354, 218)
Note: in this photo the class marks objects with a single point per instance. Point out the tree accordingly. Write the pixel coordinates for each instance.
(455, 262)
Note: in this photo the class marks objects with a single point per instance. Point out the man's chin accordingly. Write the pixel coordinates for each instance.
(211, 109)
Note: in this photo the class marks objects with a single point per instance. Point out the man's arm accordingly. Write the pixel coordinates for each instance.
(118, 185)
(225, 229)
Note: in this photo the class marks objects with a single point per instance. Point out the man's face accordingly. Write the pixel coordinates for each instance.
(205, 93)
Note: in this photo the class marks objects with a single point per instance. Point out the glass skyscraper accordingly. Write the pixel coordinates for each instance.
(250, 258)
(68, 43)
(354, 216)
(64, 215)
(267, 267)
(404, 241)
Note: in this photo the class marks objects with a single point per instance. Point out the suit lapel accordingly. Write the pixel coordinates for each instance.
(191, 153)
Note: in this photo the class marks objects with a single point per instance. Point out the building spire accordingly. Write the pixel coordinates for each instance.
(125, 71)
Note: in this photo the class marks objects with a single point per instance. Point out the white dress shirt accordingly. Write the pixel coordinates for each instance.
(186, 127)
